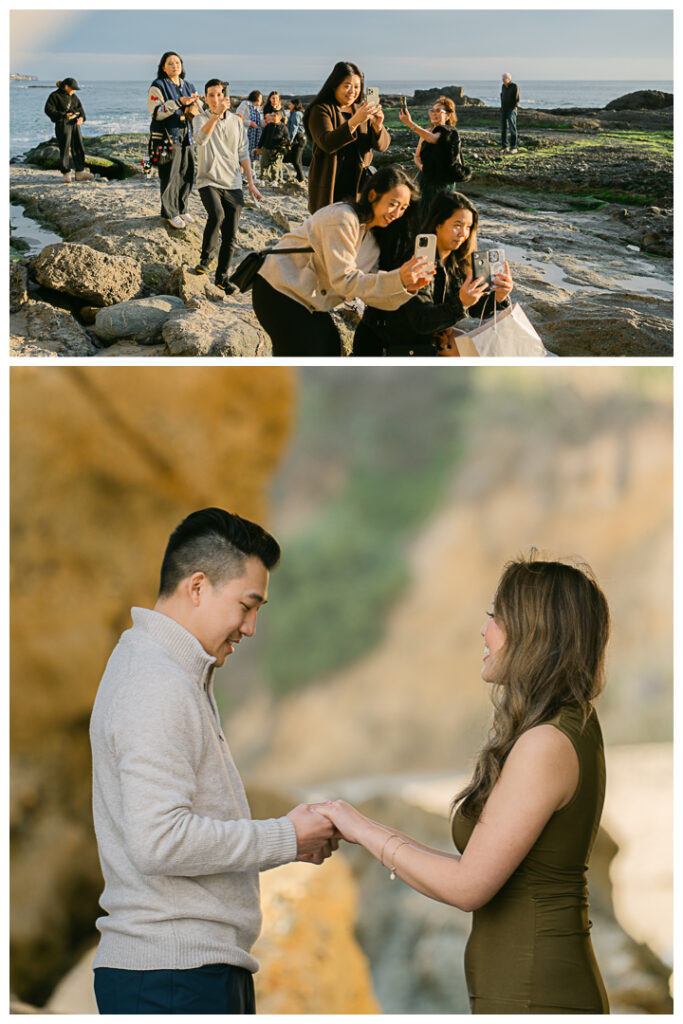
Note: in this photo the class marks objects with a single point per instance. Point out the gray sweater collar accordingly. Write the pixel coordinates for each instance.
(177, 641)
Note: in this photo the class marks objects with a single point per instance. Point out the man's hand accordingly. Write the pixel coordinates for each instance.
(316, 836)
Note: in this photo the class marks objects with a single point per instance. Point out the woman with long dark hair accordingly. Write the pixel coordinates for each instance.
(526, 821)
(66, 112)
(344, 130)
(293, 293)
(416, 328)
(170, 95)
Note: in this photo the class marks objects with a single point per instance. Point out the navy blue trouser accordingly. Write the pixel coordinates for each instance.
(508, 119)
(214, 988)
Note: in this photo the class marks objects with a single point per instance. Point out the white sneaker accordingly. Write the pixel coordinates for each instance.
(66, 178)
(515, 150)
(188, 218)
(176, 222)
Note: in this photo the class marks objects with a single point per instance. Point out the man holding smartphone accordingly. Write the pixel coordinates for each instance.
(223, 153)
(509, 101)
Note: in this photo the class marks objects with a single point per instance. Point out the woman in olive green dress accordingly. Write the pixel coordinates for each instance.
(526, 821)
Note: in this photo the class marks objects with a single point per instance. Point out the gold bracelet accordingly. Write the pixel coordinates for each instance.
(381, 856)
(392, 873)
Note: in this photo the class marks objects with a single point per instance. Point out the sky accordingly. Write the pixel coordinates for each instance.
(449, 45)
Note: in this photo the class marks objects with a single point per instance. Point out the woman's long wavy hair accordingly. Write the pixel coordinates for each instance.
(341, 70)
(443, 206)
(556, 623)
(396, 240)
(164, 57)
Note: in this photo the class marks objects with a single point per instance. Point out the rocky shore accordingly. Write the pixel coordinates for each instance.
(584, 211)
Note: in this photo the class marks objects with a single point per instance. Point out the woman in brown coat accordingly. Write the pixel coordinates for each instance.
(344, 130)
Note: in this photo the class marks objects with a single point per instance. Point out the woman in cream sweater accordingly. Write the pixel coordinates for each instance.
(293, 293)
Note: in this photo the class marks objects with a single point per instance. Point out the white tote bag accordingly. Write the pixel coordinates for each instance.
(509, 333)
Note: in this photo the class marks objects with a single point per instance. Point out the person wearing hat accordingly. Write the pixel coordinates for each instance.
(66, 111)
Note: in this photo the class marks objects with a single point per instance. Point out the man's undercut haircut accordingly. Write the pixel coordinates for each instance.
(216, 543)
(212, 82)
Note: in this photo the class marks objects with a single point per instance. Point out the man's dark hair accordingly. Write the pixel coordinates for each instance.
(215, 81)
(216, 543)
(254, 95)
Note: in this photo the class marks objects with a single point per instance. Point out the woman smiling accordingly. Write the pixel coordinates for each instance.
(344, 130)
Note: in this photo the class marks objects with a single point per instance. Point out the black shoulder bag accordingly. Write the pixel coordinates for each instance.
(244, 274)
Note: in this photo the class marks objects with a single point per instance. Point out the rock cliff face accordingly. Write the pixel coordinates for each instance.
(95, 495)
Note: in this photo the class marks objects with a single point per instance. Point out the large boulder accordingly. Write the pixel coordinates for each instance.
(213, 330)
(138, 320)
(98, 278)
(643, 99)
(39, 329)
(194, 288)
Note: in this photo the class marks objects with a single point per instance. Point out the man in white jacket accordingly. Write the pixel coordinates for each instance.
(223, 153)
(179, 850)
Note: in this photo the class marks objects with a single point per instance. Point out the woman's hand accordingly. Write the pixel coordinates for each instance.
(187, 100)
(503, 284)
(404, 115)
(377, 119)
(364, 112)
(347, 820)
(472, 290)
(416, 273)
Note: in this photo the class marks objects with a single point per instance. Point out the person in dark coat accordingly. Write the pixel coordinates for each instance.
(344, 130)
(168, 101)
(65, 110)
(419, 327)
(509, 101)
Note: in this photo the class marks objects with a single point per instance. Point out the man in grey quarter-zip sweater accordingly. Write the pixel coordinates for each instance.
(180, 853)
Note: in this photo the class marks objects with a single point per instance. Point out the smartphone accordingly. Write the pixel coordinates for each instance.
(404, 103)
(488, 263)
(425, 247)
(372, 95)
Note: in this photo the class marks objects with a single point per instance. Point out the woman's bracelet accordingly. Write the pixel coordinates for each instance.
(392, 869)
(392, 873)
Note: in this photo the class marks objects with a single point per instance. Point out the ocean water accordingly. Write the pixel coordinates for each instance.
(114, 107)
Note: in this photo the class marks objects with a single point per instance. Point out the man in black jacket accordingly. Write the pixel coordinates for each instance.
(65, 110)
(509, 101)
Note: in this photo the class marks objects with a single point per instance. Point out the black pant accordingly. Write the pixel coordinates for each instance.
(176, 178)
(291, 328)
(70, 145)
(295, 155)
(214, 988)
(223, 208)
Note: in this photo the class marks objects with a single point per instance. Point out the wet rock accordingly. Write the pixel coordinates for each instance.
(138, 320)
(39, 329)
(212, 330)
(97, 278)
(643, 99)
(18, 285)
(605, 325)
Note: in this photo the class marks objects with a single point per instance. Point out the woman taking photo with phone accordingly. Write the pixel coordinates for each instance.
(416, 329)
(294, 292)
(438, 155)
(525, 824)
(169, 97)
(344, 130)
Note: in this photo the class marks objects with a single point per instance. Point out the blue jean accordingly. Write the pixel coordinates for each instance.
(213, 988)
(508, 119)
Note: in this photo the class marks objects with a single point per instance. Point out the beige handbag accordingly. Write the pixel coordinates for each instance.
(509, 333)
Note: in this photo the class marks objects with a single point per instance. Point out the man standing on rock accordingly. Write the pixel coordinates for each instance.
(180, 853)
(223, 153)
(509, 101)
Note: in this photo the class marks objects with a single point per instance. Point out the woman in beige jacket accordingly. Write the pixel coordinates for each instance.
(293, 293)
